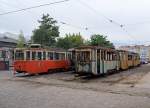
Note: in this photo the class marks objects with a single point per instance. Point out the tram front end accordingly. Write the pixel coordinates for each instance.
(83, 61)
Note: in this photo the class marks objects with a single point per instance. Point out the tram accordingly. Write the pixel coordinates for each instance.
(35, 60)
(98, 60)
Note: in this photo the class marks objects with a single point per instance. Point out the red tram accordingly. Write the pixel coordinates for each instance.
(35, 60)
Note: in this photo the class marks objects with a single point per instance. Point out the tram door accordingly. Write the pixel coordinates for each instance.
(40, 57)
(102, 58)
(98, 62)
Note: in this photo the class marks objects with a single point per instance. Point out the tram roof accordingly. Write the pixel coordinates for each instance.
(95, 47)
(47, 49)
(129, 52)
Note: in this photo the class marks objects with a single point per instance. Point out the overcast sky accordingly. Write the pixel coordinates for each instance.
(133, 14)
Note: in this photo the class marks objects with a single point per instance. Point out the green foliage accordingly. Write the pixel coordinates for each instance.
(87, 42)
(100, 40)
(47, 31)
(21, 40)
(70, 41)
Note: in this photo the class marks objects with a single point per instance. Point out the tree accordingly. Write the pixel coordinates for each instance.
(47, 32)
(70, 41)
(21, 40)
(100, 40)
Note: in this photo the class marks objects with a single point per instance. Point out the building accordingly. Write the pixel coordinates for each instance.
(6, 51)
(142, 50)
(7, 42)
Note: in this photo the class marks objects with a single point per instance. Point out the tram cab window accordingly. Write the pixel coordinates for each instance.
(50, 55)
(61, 56)
(39, 55)
(33, 55)
(27, 55)
(19, 55)
(44, 55)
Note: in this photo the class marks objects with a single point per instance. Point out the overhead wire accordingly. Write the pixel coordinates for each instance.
(32, 7)
(107, 18)
(101, 14)
(86, 28)
(63, 23)
(16, 5)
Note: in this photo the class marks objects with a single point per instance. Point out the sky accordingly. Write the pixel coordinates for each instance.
(80, 14)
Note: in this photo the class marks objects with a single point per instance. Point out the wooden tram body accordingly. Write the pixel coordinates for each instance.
(123, 59)
(99, 60)
(40, 60)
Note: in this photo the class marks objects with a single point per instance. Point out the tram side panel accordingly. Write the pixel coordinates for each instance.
(40, 61)
(34, 67)
(123, 59)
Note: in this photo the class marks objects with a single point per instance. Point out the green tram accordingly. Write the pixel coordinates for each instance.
(96, 60)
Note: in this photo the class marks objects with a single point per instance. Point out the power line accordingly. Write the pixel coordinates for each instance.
(138, 23)
(107, 18)
(15, 6)
(24, 9)
(64, 23)
(95, 11)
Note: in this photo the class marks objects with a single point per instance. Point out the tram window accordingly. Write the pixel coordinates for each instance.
(83, 56)
(111, 56)
(33, 55)
(39, 55)
(129, 57)
(44, 55)
(108, 56)
(114, 57)
(57, 56)
(105, 55)
(62, 56)
(98, 55)
(19, 55)
(28, 55)
(69, 56)
(50, 55)
(1, 54)
(124, 56)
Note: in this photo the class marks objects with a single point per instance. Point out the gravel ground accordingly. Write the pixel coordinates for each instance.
(33, 95)
(126, 89)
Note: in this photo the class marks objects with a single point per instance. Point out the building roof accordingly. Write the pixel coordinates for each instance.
(7, 39)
